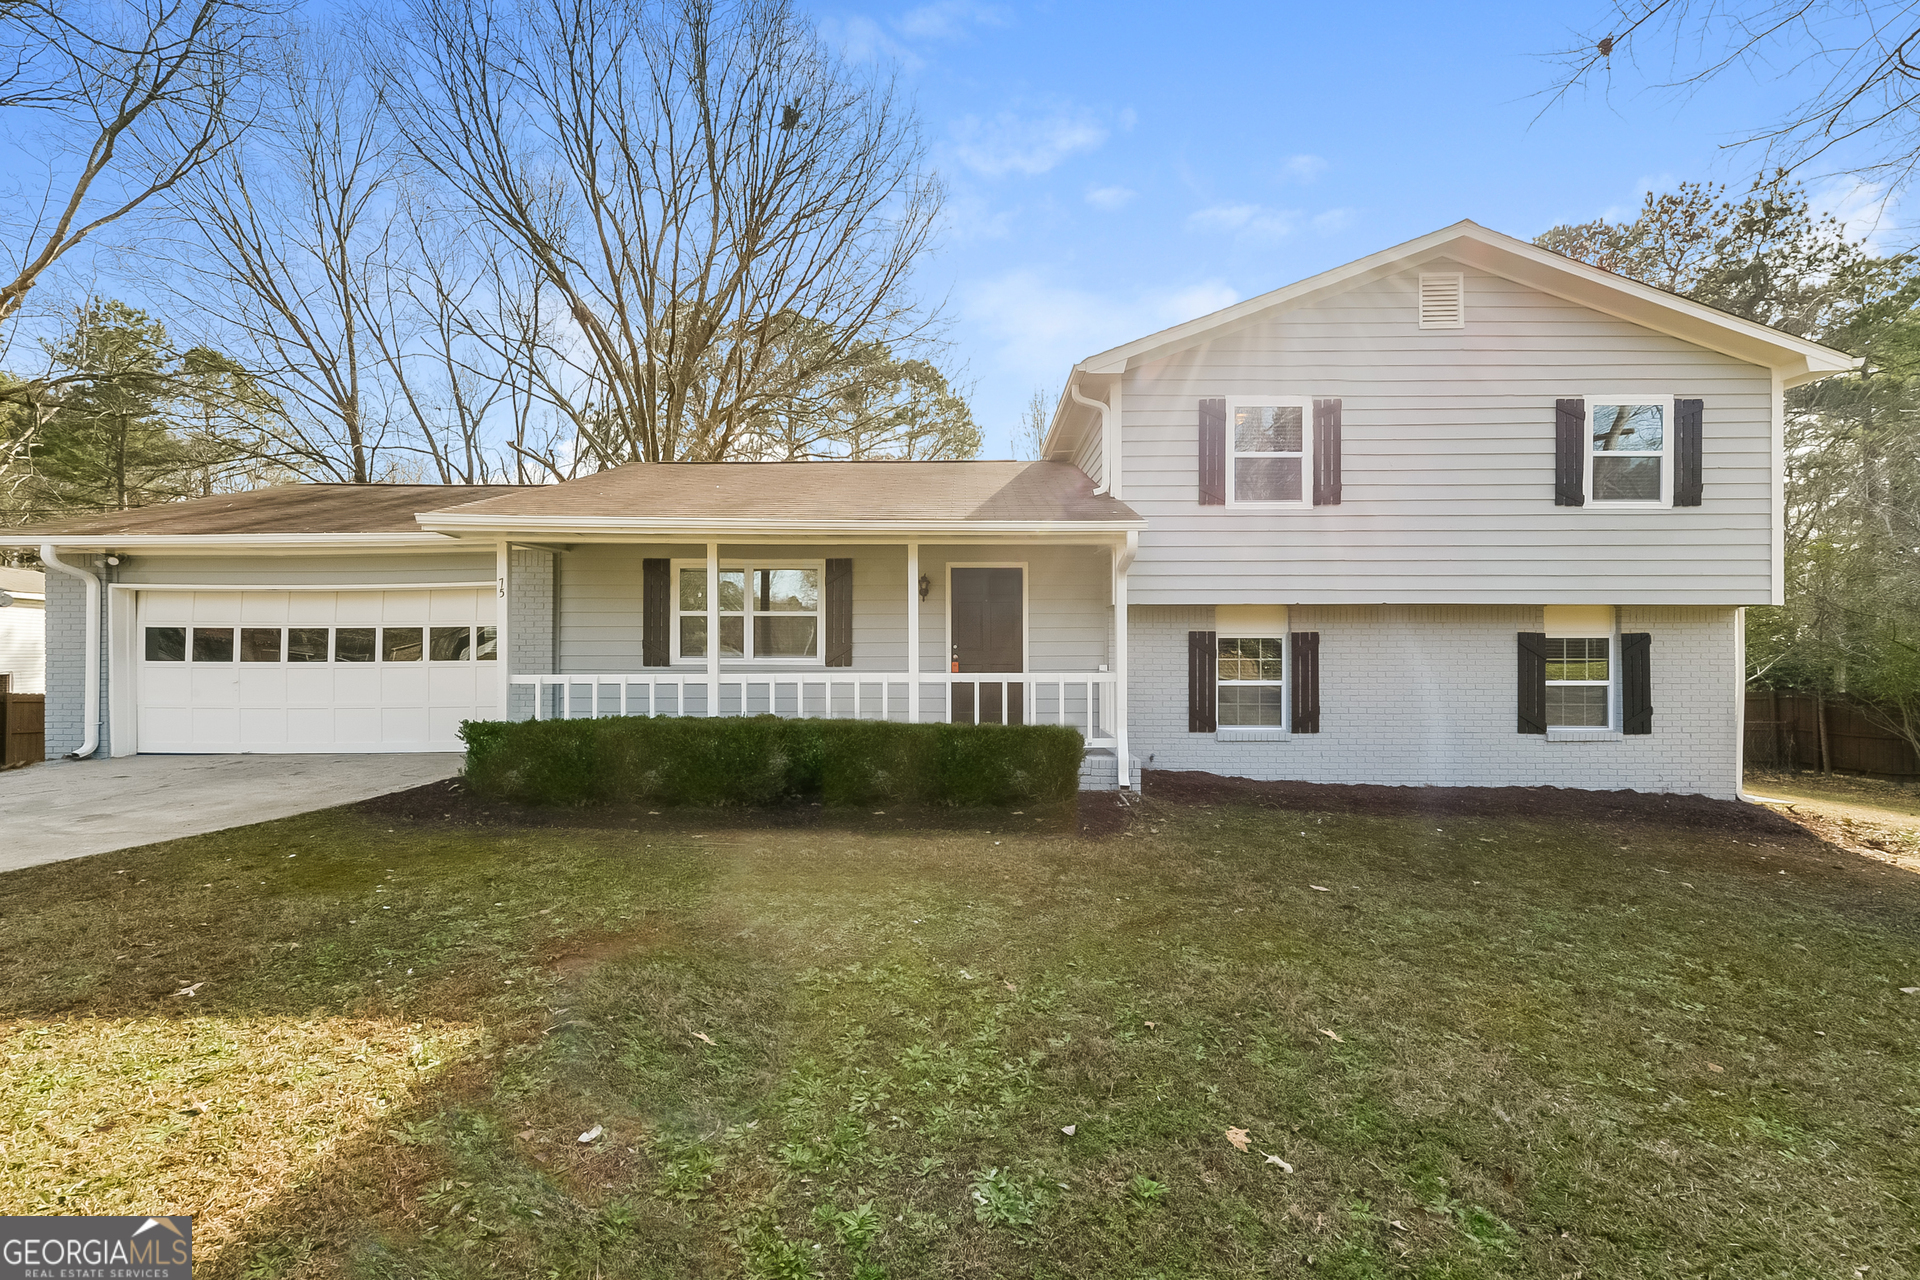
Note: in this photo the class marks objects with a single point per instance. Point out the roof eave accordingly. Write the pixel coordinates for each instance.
(154, 542)
(748, 529)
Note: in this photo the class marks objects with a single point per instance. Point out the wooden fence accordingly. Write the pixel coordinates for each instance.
(23, 726)
(1783, 732)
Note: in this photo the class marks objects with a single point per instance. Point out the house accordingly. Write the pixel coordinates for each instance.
(23, 630)
(1463, 512)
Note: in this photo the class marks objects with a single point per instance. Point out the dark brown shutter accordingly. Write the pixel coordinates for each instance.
(656, 613)
(1326, 453)
(1202, 657)
(1686, 451)
(839, 613)
(1306, 680)
(1533, 682)
(1213, 453)
(1636, 682)
(1569, 458)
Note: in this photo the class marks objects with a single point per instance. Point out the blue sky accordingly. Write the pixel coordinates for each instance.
(1114, 169)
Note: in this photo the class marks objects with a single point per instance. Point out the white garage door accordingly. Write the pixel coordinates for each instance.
(313, 670)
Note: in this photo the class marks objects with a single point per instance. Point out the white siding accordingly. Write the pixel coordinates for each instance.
(1448, 461)
(1420, 695)
(1068, 590)
(362, 568)
(23, 645)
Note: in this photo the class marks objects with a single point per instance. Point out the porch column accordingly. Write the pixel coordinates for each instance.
(913, 633)
(1122, 562)
(502, 612)
(713, 628)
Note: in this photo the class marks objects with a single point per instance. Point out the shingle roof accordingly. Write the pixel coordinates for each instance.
(286, 509)
(799, 493)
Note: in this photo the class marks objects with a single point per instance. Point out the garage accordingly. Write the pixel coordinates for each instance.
(312, 671)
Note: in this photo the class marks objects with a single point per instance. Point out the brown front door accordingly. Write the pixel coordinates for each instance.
(989, 634)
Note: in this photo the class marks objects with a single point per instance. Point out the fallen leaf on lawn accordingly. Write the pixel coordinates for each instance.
(1152, 1026)
(1238, 1137)
(1332, 1035)
(592, 1134)
(188, 991)
(1273, 1159)
(1008, 985)
(1068, 1129)
(703, 1037)
(1714, 1066)
(1398, 1225)
(526, 1135)
(1319, 888)
(1910, 991)
(197, 1108)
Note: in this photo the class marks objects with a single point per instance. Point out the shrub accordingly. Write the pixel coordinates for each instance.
(759, 760)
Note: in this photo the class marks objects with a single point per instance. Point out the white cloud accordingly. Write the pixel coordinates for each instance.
(1866, 211)
(949, 19)
(1037, 327)
(1302, 168)
(1111, 198)
(1008, 143)
(970, 218)
(1332, 220)
(1245, 221)
(862, 39)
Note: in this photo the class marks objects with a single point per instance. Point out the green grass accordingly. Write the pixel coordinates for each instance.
(1556, 1049)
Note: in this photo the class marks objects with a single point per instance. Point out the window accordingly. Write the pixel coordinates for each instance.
(1441, 306)
(1630, 440)
(310, 644)
(166, 644)
(1267, 451)
(487, 647)
(1579, 682)
(213, 644)
(306, 644)
(1252, 687)
(450, 644)
(259, 644)
(768, 611)
(353, 644)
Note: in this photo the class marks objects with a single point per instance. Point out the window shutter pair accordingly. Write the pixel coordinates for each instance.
(1213, 453)
(656, 613)
(1203, 651)
(1570, 458)
(1636, 682)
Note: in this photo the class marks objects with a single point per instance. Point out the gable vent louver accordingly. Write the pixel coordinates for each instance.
(1441, 306)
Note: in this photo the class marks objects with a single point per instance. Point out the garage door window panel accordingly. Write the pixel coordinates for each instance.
(450, 644)
(488, 647)
(166, 644)
(306, 644)
(353, 644)
(259, 644)
(213, 644)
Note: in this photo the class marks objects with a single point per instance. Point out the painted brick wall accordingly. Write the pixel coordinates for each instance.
(66, 661)
(529, 622)
(1424, 695)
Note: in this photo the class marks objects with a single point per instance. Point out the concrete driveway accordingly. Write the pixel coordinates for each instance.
(72, 808)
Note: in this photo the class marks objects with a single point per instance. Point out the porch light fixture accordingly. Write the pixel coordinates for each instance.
(926, 585)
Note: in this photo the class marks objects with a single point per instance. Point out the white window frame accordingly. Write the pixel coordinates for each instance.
(1665, 453)
(1305, 405)
(746, 569)
(1255, 732)
(1611, 729)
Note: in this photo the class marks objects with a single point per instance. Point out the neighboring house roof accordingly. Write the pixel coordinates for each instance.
(26, 584)
(1798, 360)
(353, 513)
(801, 497)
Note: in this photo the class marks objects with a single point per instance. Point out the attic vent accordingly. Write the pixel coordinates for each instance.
(1440, 304)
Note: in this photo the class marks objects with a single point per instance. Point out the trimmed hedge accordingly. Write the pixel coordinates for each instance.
(758, 760)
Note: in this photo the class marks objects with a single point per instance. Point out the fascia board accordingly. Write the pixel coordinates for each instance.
(623, 528)
(1068, 415)
(271, 543)
(1799, 359)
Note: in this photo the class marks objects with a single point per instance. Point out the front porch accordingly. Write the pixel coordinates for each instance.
(1002, 632)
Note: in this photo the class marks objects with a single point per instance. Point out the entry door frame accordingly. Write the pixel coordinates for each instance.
(1026, 621)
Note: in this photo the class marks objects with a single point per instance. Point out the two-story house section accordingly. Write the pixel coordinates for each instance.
(1464, 512)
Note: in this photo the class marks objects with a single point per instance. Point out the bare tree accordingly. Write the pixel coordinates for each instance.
(684, 177)
(1031, 440)
(1851, 67)
(133, 96)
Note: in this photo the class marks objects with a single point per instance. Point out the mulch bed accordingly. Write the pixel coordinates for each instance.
(1099, 814)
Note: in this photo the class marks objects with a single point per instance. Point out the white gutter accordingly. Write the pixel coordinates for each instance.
(90, 700)
(1106, 438)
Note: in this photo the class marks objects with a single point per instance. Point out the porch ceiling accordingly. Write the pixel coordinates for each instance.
(757, 501)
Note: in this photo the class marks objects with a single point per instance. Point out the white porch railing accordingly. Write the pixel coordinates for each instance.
(1083, 699)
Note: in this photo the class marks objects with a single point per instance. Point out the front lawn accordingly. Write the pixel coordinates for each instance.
(1550, 1045)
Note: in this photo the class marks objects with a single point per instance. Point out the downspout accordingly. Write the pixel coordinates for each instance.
(90, 700)
(1106, 440)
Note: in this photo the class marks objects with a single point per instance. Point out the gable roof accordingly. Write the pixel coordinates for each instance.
(800, 498)
(1798, 360)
